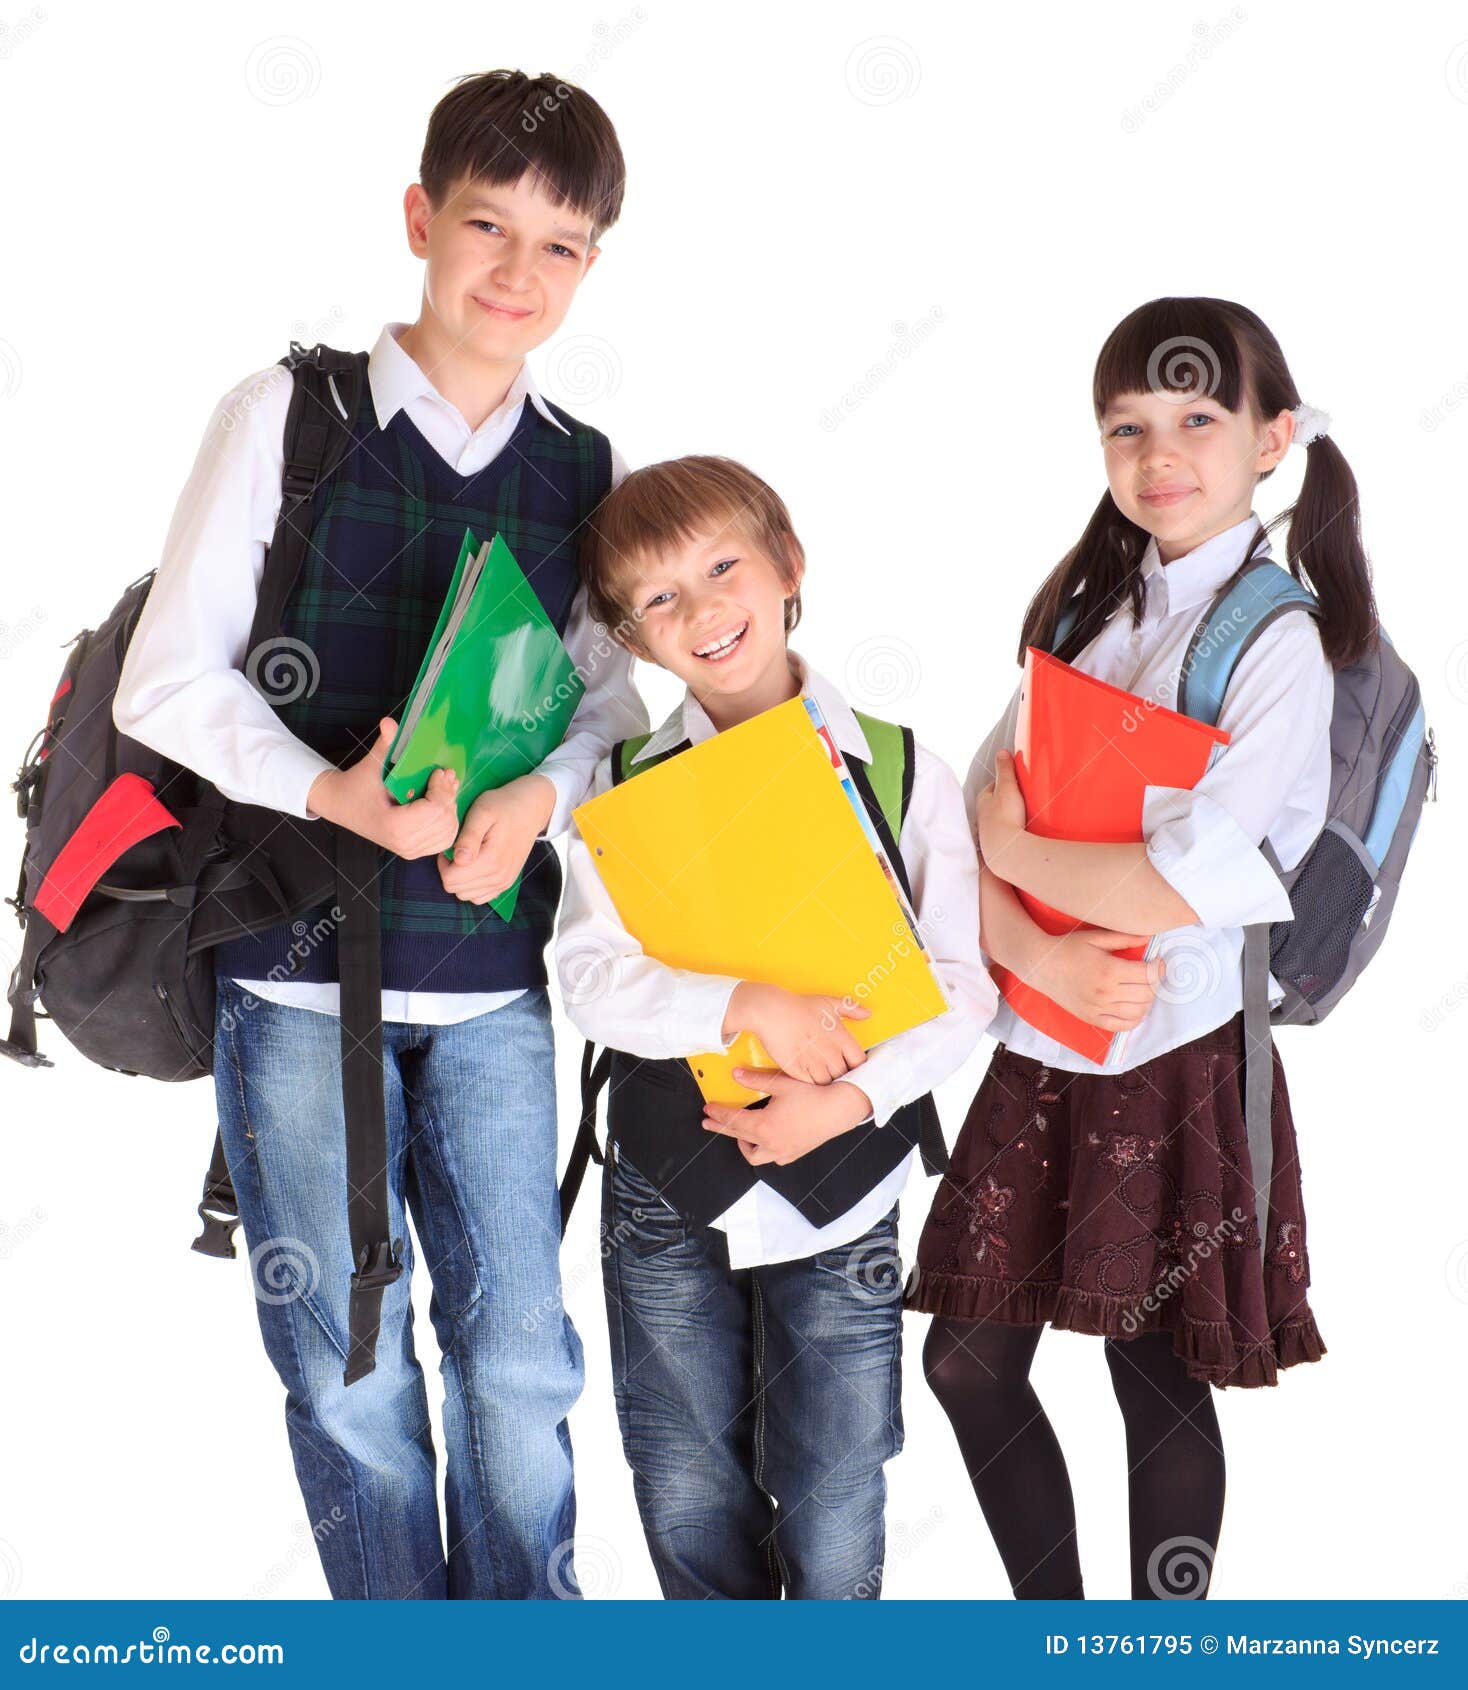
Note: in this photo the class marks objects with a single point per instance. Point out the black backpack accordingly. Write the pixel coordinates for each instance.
(135, 868)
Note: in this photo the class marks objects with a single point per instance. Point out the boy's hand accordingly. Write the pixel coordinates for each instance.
(803, 1032)
(1001, 812)
(499, 829)
(1080, 972)
(797, 1119)
(356, 799)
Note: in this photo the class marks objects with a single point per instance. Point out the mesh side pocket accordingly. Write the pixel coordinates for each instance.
(1330, 896)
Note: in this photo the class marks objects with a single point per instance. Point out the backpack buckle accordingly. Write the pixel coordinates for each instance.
(296, 483)
(217, 1238)
(378, 1266)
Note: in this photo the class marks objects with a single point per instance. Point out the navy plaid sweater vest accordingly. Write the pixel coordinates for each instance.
(385, 538)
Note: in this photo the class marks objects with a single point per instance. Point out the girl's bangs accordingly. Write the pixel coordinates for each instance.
(1182, 346)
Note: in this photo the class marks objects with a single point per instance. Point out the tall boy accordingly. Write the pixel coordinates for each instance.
(751, 1271)
(518, 180)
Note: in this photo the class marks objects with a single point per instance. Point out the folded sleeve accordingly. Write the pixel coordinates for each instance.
(1206, 842)
(613, 993)
(943, 870)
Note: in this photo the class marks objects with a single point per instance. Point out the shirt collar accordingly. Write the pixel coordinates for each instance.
(395, 378)
(1196, 576)
(690, 721)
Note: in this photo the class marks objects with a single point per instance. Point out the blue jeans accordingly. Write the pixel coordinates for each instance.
(472, 1138)
(757, 1406)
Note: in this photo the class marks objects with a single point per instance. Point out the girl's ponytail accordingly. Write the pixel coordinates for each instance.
(1325, 550)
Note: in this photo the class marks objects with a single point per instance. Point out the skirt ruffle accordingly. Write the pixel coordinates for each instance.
(1121, 1204)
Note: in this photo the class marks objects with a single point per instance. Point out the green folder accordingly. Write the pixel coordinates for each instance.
(495, 692)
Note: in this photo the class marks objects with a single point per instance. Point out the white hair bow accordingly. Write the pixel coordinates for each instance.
(1310, 424)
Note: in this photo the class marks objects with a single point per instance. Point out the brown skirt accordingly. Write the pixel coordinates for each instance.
(1123, 1203)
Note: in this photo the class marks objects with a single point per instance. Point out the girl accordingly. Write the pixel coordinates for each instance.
(1117, 1199)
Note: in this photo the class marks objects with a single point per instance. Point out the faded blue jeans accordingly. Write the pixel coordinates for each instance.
(757, 1405)
(472, 1137)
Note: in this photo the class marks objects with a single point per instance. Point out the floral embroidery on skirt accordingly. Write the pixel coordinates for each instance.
(1124, 1203)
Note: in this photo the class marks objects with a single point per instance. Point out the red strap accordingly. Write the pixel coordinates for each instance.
(125, 813)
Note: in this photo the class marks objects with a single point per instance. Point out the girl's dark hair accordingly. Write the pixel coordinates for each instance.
(1215, 348)
(497, 126)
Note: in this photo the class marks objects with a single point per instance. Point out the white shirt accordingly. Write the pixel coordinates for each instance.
(183, 690)
(1272, 780)
(656, 1011)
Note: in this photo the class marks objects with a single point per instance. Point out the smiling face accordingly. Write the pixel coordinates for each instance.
(503, 264)
(1185, 467)
(712, 612)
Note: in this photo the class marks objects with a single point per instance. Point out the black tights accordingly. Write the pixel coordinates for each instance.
(980, 1372)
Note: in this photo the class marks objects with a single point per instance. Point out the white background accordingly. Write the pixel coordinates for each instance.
(873, 251)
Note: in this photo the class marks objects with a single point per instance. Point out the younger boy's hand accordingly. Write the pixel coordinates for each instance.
(805, 1033)
(356, 799)
(798, 1118)
(499, 829)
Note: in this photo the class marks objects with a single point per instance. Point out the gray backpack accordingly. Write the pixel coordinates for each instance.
(1343, 890)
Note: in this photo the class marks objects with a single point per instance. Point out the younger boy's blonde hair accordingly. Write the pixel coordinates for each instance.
(666, 506)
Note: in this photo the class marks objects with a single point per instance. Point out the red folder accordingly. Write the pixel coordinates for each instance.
(1084, 753)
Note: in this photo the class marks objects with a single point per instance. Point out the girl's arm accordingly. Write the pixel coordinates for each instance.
(1112, 886)
(1201, 862)
(1078, 970)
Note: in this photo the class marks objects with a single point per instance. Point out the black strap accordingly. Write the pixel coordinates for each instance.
(317, 436)
(219, 1209)
(376, 1255)
(20, 1045)
(584, 1148)
(863, 785)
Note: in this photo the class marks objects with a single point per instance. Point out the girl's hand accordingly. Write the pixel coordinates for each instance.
(1081, 973)
(1001, 812)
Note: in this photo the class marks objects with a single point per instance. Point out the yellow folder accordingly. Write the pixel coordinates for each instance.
(751, 855)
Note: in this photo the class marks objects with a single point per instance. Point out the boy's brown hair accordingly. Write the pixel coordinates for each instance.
(496, 127)
(666, 506)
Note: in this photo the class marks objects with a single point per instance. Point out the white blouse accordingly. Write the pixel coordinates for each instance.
(1272, 781)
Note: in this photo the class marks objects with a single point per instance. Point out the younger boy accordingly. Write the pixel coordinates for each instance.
(519, 178)
(752, 1282)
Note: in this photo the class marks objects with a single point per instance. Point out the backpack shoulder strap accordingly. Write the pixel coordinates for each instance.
(1254, 597)
(890, 768)
(1067, 621)
(325, 399)
(625, 750)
